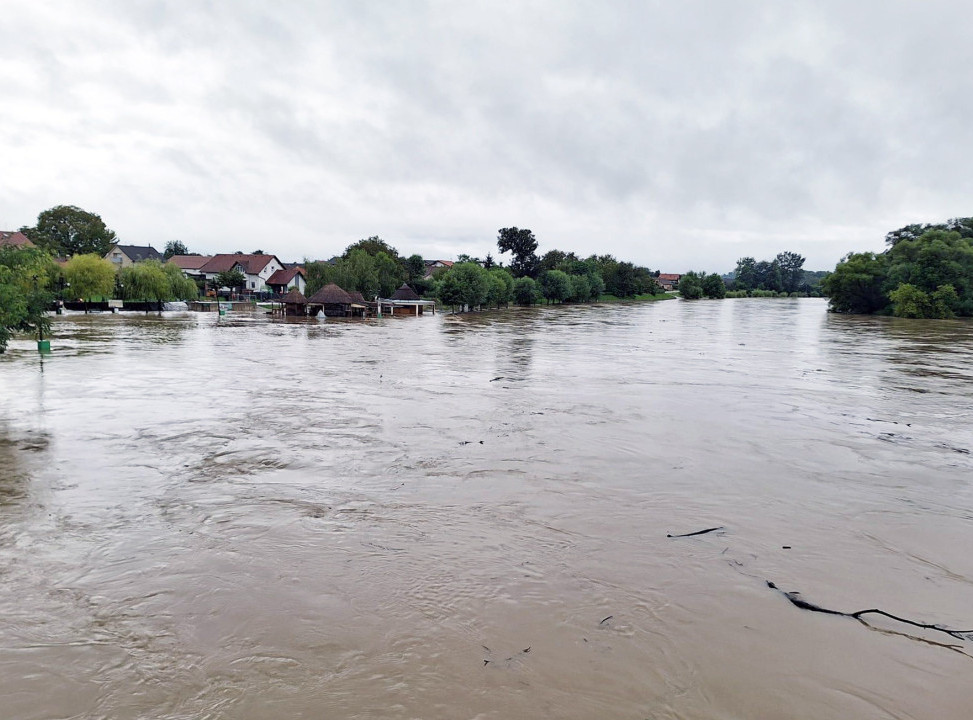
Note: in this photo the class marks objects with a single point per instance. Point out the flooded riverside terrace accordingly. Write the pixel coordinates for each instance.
(467, 516)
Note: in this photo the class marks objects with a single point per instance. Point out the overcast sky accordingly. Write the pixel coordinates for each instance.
(679, 134)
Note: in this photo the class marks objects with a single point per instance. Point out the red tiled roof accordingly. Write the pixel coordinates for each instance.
(252, 264)
(669, 276)
(190, 262)
(14, 238)
(282, 277)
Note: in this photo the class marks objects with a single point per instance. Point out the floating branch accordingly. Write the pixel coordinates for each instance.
(698, 532)
(805, 605)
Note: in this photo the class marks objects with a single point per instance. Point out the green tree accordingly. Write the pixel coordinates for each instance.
(145, 281)
(791, 271)
(89, 275)
(713, 286)
(181, 287)
(526, 291)
(597, 284)
(580, 288)
(521, 244)
(362, 269)
(497, 292)
(415, 269)
(908, 301)
(556, 286)
(26, 278)
(372, 246)
(745, 275)
(503, 275)
(691, 286)
(551, 260)
(390, 274)
(174, 247)
(856, 285)
(232, 278)
(68, 230)
(769, 276)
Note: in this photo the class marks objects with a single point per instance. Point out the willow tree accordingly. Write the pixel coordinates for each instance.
(89, 276)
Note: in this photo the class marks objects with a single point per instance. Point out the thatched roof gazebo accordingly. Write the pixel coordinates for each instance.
(359, 305)
(295, 304)
(405, 301)
(405, 293)
(332, 300)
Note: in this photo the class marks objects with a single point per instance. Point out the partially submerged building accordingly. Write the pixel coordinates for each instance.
(331, 300)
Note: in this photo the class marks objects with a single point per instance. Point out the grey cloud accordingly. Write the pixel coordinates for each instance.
(677, 134)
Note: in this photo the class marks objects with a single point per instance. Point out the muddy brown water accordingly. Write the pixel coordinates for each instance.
(466, 516)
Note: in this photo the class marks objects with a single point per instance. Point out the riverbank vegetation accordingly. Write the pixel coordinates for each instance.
(373, 267)
(27, 276)
(926, 271)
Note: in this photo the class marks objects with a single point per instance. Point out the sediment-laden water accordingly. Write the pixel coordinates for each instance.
(467, 516)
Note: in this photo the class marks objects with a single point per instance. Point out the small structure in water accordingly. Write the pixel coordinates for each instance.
(295, 304)
(331, 300)
(405, 301)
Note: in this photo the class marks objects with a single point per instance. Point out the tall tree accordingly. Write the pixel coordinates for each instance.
(373, 246)
(88, 276)
(175, 247)
(745, 276)
(69, 230)
(415, 269)
(791, 271)
(522, 245)
(390, 274)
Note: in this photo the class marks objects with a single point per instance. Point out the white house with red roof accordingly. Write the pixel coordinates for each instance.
(283, 280)
(256, 269)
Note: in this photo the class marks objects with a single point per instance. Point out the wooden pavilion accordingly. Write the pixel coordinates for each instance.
(331, 300)
(295, 304)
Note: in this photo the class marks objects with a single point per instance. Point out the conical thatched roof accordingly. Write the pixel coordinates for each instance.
(295, 297)
(405, 293)
(330, 294)
(357, 297)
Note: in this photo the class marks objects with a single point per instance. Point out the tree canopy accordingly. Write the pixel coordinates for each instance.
(157, 282)
(522, 244)
(175, 247)
(88, 276)
(925, 275)
(232, 278)
(26, 278)
(67, 230)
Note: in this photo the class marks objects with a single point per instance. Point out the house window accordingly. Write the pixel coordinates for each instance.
(253, 284)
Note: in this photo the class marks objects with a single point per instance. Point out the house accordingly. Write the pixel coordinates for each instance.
(668, 281)
(282, 280)
(256, 269)
(435, 266)
(190, 264)
(127, 255)
(13, 238)
(331, 300)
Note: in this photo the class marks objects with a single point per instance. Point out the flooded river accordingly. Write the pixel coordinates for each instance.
(467, 516)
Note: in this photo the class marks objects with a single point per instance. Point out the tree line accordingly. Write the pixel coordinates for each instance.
(373, 267)
(926, 271)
